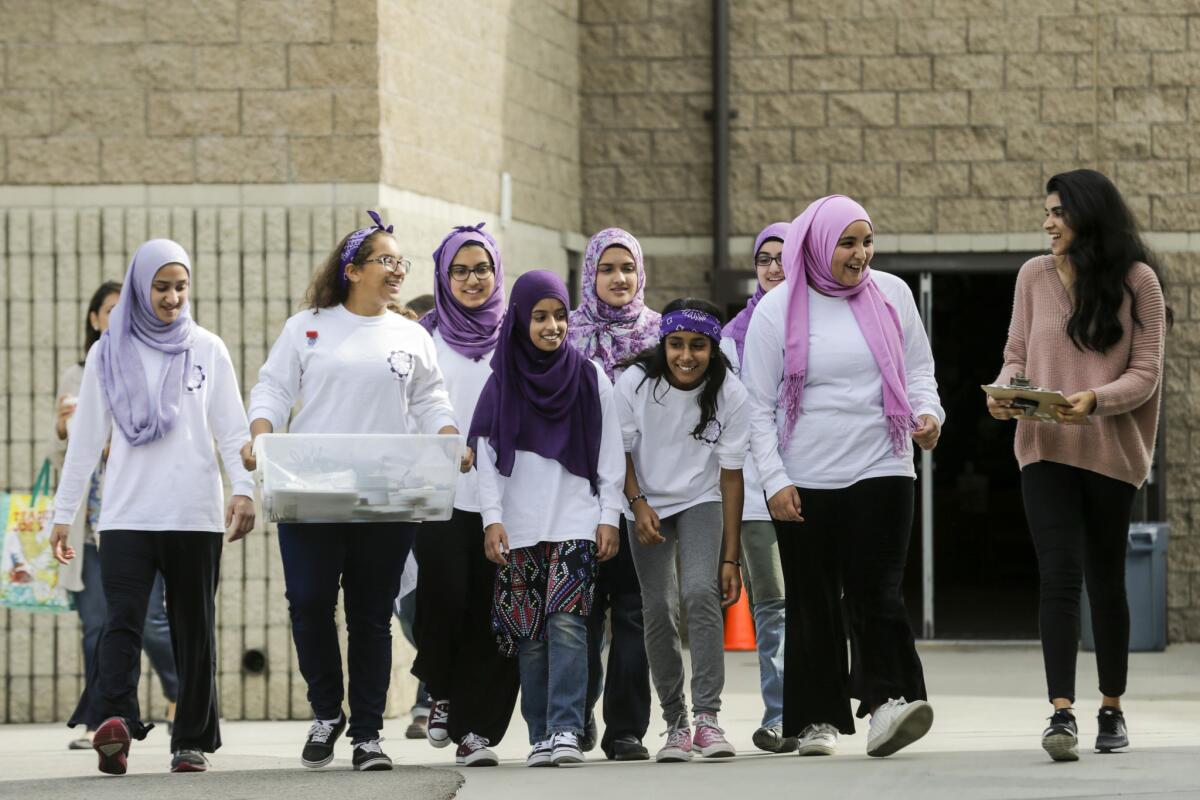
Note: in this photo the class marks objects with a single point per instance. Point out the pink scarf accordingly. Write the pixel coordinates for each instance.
(808, 251)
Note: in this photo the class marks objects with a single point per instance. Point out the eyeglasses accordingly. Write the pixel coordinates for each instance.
(764, 260)
(392, 264)
(481, 272)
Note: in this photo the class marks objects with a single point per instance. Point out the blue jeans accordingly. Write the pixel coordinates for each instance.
(156, 633)
(768, 628)
(554, 677)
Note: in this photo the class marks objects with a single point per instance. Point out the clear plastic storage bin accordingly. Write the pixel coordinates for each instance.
(308, 477)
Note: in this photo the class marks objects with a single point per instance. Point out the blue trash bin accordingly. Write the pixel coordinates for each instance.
(1145, 587)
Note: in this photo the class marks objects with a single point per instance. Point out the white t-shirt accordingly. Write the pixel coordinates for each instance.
(353, 374)
(841, 435)
(541, 501)
(465, 379)
(173, 483)
(674, 469)
(755, 507)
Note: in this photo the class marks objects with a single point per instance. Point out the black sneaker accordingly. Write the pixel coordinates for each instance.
(1112, 736)
(318, 747)
(587, 742)
(189, 760)
(369, 756)
(1061, 737)
(627, 748)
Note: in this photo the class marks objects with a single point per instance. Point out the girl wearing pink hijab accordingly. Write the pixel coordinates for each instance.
(841, 383)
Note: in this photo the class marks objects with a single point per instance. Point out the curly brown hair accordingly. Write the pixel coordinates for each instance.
(327, 289)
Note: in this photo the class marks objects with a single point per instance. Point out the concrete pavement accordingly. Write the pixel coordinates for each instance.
(984, 744)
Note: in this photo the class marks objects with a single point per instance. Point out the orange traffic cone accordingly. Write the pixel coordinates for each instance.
(739, 625)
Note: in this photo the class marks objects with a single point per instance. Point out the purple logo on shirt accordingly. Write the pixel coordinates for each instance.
(400, 362)
(196, 379)
(711, 433)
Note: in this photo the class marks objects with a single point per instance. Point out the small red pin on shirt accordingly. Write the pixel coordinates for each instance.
(312, 337)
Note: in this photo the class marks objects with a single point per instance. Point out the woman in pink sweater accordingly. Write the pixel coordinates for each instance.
(1089, 320)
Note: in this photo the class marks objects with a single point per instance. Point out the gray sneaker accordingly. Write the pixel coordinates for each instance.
(771, 739)
(819, 739)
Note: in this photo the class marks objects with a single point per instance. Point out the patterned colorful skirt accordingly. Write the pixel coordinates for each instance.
(538, 581)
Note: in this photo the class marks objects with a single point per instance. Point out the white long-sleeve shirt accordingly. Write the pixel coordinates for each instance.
(841, 436)
(465, 379)
(674, 469)
(754, 509)
(352, 374)
(172, 484)
(541, 501)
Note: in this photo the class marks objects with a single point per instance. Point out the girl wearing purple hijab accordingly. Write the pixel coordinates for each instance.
(550, 472)
(354, 367)
(472, 686)
(168, 388)
(840, 377)
(760, 549)
(612, 325)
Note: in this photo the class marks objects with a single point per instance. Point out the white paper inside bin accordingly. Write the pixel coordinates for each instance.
(357, 478)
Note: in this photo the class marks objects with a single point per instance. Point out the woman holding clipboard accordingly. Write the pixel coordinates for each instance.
(1088, 319)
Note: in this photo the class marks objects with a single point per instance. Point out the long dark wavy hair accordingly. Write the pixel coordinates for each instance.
(91, 334)
(1107, 244)
(653, 362)
(327, 289)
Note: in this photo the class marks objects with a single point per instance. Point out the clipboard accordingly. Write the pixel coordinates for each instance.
(1035, 403)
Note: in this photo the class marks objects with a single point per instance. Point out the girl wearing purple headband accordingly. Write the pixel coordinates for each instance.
(550, 469)
(760, 549)
(472, 686)
(354, 367)
(841, 383)
(686, 438)
(611, 325)
(157, 391)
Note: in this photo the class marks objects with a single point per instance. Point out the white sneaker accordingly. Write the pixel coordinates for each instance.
(819, 739)
(540, 755)
(437, 730)
(897, 724)
(565, 749)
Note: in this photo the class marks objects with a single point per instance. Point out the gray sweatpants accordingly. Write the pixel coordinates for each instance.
(696, 534)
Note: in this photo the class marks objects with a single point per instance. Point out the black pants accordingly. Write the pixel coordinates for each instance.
(1079, 521)
(457, 655)
(627, 686)
(190, 563)
(842, 570)
(366, 560)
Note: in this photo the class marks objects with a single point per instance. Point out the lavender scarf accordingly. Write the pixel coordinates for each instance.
(736, 328)
(807, 255)
(540, 402)
(472, 332)
(145, 414)
(601, 331)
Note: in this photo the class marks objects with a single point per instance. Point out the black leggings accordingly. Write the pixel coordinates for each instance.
(1079, 521)
(842, 573)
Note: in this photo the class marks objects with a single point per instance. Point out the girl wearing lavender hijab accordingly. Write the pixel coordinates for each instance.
(550, 471)
(472, 686)
(168, 387)
(355, 368)
(840, 377)
(760, 549)
(611, 325)
(686, 435)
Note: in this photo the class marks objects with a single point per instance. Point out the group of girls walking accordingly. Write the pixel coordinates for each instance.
(619, 460)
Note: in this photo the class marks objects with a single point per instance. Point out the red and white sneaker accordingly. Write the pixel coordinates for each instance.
(438, 731)
(111, 743)
(710, 740)
(679, 743)
(473, 752)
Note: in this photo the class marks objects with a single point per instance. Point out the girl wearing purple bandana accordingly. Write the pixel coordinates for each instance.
(354, 367)
(550, 471)
(686, 437)
(168, 388)
(472, 686)
(760, 549)
(841, 381)
(611, 326)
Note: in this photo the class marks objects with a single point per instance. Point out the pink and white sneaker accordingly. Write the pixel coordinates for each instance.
(679, 743)
(710, 739)
(438, 730)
